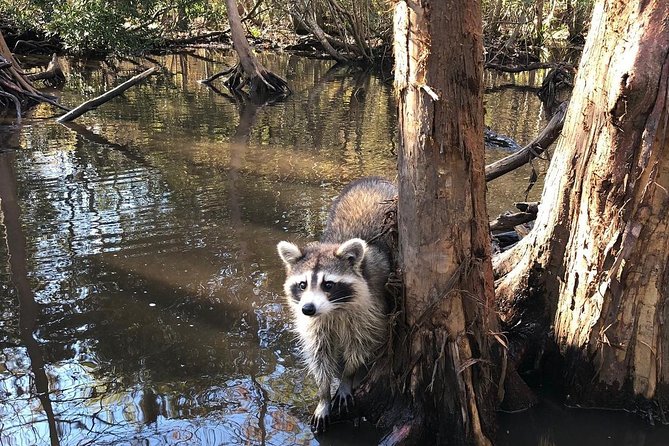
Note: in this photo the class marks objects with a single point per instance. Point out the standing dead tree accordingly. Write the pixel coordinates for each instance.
(261, 81)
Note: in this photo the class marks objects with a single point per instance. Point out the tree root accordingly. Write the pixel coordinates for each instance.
(53, 75)
(263, 84)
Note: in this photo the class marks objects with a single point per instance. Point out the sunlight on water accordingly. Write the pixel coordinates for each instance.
(140, 291)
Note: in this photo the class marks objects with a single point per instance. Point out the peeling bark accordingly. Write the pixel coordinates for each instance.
(596, 266)
(443, 361)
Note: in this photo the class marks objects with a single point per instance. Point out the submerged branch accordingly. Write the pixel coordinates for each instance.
(94, 103)
(532, 150)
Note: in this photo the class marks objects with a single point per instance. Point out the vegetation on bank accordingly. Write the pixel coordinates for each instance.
(350, 29)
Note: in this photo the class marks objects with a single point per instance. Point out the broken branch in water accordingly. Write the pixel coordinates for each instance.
(94, 103)
(532, 150)
(508, 221)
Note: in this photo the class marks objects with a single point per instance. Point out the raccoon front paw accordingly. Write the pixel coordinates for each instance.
(343, 401)
(320, 420)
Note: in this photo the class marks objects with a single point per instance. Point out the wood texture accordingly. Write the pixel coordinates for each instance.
(105, 97)
(599, 254)
(443, 230)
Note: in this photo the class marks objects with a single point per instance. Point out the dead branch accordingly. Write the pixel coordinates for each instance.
(535, 148)
(308, 21)
(508, 221)
(94, 103)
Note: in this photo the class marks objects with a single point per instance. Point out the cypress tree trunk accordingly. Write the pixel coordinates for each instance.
(262, 82)
(596, 266)
(443, 383)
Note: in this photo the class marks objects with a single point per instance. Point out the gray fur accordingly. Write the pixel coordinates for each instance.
(346, 330)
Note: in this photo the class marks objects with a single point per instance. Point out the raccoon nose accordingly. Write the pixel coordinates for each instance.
(309, 309)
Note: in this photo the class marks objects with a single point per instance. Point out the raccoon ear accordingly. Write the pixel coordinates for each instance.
(288, 252)
(352, 250)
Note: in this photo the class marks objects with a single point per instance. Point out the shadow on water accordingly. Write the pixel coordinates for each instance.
(140, 291)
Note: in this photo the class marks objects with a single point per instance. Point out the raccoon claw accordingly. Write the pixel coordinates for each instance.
(343, 400)
(320, 420)
(319, 423)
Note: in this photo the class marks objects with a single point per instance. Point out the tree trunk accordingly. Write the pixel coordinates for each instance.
(596, 266)
(262, 83)
(445, 373)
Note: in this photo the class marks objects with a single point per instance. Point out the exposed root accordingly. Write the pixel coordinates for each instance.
(262, 84)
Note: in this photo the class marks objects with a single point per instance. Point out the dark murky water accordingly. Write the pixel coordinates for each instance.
(139, 286)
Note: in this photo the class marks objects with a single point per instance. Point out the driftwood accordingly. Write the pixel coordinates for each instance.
(535, 148)
(94, 103)
(508, 221)
(508, 228)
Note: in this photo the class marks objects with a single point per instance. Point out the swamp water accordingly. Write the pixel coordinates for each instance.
(140, 290)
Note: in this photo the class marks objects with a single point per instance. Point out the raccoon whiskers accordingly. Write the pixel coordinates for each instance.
(341, 298)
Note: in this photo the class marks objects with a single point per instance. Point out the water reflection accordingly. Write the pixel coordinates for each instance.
(149, 258)
(27, 308)
(150, 229)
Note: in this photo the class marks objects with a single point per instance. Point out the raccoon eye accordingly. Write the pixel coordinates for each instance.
(303, 285)
(327, 285)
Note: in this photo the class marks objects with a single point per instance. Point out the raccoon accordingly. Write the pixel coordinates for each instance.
(336, 291)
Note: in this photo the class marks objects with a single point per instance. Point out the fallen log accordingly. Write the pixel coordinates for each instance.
(532, 150)
(528, 206)
(508, 221)
(96, 102)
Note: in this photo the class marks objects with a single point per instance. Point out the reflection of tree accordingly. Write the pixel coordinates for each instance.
(239, 142)
(262, 397)
(29, 310)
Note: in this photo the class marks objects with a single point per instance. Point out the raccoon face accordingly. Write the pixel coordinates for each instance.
(322, 277)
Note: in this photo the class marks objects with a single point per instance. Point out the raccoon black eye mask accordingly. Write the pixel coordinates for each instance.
(335, 289)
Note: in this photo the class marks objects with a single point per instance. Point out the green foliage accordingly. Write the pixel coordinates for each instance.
(112, 26)
(100, 26)
(129, 26)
